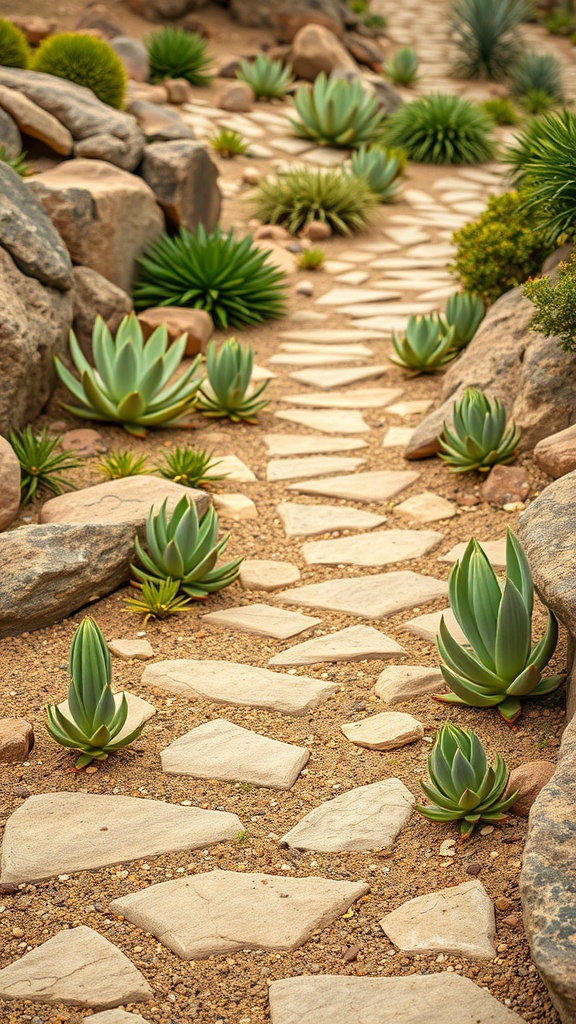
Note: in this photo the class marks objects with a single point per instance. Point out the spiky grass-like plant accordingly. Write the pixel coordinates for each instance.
(174, 53)
(229, 278)
(502, 111)
(441, 129)
(486, 37)
(310, 259)
(118, 465)
(227, 391)
(537, 72)
(228, 143)
(305, 194)
(85, 60)
(402, 67)
(268, 79)
(190, 467)
(379, 169)
(41, 465)
(545, 160)
(14, 49)
(337, 113)
(526, 146)
(158, 600)
(480, 437)
(536, 102)
(17, 163)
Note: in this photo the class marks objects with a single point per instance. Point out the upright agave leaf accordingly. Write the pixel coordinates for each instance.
(379, 170)
(268, 79)
(337, 113)
(427, 346)
(479, 437)
(464, 312)
(227, 390)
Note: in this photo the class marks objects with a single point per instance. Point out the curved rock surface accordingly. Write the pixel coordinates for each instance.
(28, 235)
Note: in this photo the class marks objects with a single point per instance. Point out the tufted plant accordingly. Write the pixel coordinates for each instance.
(379, 169)
(486, 36)
(305, 194)
(268, 79)
(441, 129)
(174, 53)
(337, 113)
(427, 346)
(227, 392)
(85, 60)
(14, 49)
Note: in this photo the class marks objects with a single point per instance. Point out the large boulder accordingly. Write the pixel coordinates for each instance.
(35, 122)
(158, 123)
(27, 234)
(316, 49)
(265, 13)
(94, 295)
(164, 10)
(106, 216)
(185, 182)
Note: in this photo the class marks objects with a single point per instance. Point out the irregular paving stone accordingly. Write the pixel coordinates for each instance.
(196, 324)
(330, 336)
(427, 507)
(35, 122)
(116, 1016)
(308, 520)
(335, 350)
(185, 182)
(379, 485)
(16, 739)
(266, 574)
(306, 444)
(263, 619)
(458, 921)
(222, 750)
(356, 643)
(368, 398)
(234, 506)
(505, 484)
(399, 683)
(331, 421)
(84, 442)
(366, 818)
(387, 730)
(95, 295)
(10, 477)
(333, 999)
(320, 358)
(427, 626)
(77, 967)
(370, 597)
(528, 780)
(338, 378)
(343, 296)
(128, 500)
(58, 833)
(494, 549)
(397, 437)
(320, 465)
(380, 547)
(234, 469)
(28, 235)
(220, 912)
(411, 408)
(140, 649)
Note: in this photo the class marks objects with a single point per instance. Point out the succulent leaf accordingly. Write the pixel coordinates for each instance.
(479, 438)
(227, 392)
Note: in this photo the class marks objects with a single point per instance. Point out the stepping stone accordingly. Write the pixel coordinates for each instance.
(334, 350)
(305, 444)
(397, 437)
(222, 750)
(356, 643)
(234, 506)
(262, 619)
(308, 520)
(336, 266)
(225, 682)
(329, 335)
(369, 597)
(342, 296)
(367, 398)
(366, 818)
(378, 485)
(140, 649)
(116, 1016)
(324, 157)
(433, 294)
(427, 507)
(407, 235)
(327, 379)
(399, 683)
(265, 574)
(330, 421)
(313, 359)
(355, 256)
(260, 373)
(413, 408)
(387, 730)
(139, 711)
(119, 501)
(458, 921)
(381, 547)
(219, 912)
(427, 626)
(59, 833)
(388, 324)
(434, 250)
(78, 967)
(234, 468)
(292, 146)
(338, 999)
(495, 549)
(317, 465)
(391, 310)
(353, 277)
(307, 315)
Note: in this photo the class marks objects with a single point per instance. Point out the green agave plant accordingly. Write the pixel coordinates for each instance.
(479, 438)
(158, 600)
(226, 391)
(95, 716)
(190, 467)
(462, 786)
(337, 113)
(185, 549)
(129, 383)
(268, 79)
(402, 68)
(305, 194)
(502, 668)
(464, 312)
(40, 465)
(379, 170)
(427, 346)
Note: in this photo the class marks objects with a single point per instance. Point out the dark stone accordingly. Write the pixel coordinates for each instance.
(28, 234)
(10, 138)
(184, 181)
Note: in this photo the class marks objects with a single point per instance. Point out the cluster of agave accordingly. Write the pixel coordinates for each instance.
(479, 437)
(379, 168)
(267, 78)
(433, 341)
(337, 113)
(227, 390)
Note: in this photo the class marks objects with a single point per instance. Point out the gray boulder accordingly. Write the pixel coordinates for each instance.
(158, 123)
(164, 10)
(10, 137)
(185, 182)
(134, 57)
(28, 235)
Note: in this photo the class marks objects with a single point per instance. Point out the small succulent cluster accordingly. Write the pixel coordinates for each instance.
(174, 53)
(268, 79)
(190, 467)
(303, 195)
(227, 392)
(117, 465)
(228, 143)
(536, 81)
(402, 67)
(380, 170)
(479, 437)
(337, 113)
(433, 341)
(158, 600)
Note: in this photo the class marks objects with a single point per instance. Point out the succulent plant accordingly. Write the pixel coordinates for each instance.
(117, 465)
(305, 194)
(502, 111)
(427, 346)
(228, 143)
(227, 392)
(337, 113)
(537, 72)
(174, 53)
(185, 549)
(536, 102)
(267, 78)
(310, 259)
(85, 60)
(479, 438)
(128, 384)
(464, 312)
(502, 668)
(379, 170)
(441, 129)
(402, 67)
(158, 600)
(17, 163)
(95, 716)
(40, 464)
(462, 786)
(190, 467)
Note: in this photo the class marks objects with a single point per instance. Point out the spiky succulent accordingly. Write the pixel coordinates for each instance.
(228, 143)
(310, 259)
(462, 786)
(337, 113)
(40, 464)
(537, 72)
(95, 716)
(190, 467)
(117, 465)
(267, 78)
(129, 384)
(441, 129)
(305, 194)
(402, 67)
(227, 391)
(14, 49)
(464, 312)
(17, 163)
(379, 170)
(174, 53)
(479, 437)
(502, 668)
(185, 549)
(158, 600)
(537, 102)
(231, 279)
(486, 36)
(426, 347)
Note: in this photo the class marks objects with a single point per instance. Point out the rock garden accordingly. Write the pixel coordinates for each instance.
(288, 465)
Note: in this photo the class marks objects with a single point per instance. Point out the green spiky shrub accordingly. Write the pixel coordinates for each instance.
(305, 194)
(190, 467)
(118, 465)
(532, 134)
(85, 60)
(268, 79)
(17, 163)
(502, 111)
(560, 23)
(174, 53)
(228, 143)
(426, 347)
(499, 250)
(337, 113)
(545, 160)
(537, 102)
(480, 437)
(441, 129)
(502, 668)
(227, 391)
(537, 72)
(231, 279)
(402, 67)
(555, 304)
(158, 600)
(379, 169)
(95, 716)
(311, 259)
(486, 37)
(14, 49)
(41, 465)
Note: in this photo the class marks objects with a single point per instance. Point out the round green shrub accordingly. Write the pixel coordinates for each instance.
(86, 61)
(14, 50)
(441, 129)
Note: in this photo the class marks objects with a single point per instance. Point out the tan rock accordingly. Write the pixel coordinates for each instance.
(195, 323)
(316, 49)
(265, 574)
(16, 740)
(365, 51)
(184, 181)
(84, 442)
(94, 295)
(34, 121)
(235, 506)
(100, 18)
(236, 97)
(178, 90)
(556, 454)
(140, 649)
(134, 57)
(34, 27)
(128, 500)
(10, 477)
(506, 484)
(288, 25)
(384, 731)
(527, 780)
(158, 123)
(316, 231)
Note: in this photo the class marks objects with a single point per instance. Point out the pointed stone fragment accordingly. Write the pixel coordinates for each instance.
(378, 485)
(330, 421)
(384, 731)
(318, 465)
(399, 683)
(234, 506)
(458, 921)
(427, 626)
(356, 643)
(308, 444)
(340, 377)
(362, 398)
(369, 597)
(380, 547)
(263, 619)
(397, 437)
(308, 520)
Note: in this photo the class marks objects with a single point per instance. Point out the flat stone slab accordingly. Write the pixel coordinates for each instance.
(337, 999)
(370, 597)
(320, 358)
(225, 682)
(235, 506)
(266, 574)
(384, 731)
(366, 398)
(340, 377)
(342, 296)
(138, 648)
(334, 350)
(77, 967)
(222, 750)
(380, 547)
(263, 619)
(399, 683)
(458, 921)
(317, 465)
(329, 421)
(128, 500)
(427, 626)
(329, 336)
(224, 911)
(116, 1016)
(58, 833)
(494, 549)
(377, 485)
(397, 437)
(367, 818)
(234, 468)
(415, 407)
(309, 520)
(356, 643)
(307, 444)
(426, 507)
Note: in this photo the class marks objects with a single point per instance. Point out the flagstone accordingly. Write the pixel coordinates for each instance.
(234, 468)
(458, 921)
(308, 444)
(427, 626)
(218, 912)
(260, 373)
(407, 235)
(325, 157)
(397, 437)
(336, 350)
(262, 619)
(59, 833)
(336, 266)
(437, 293)
(378, 485)
(267, 574)
(308, 520)
(234, 506)
(127, 500)
(307, 315)
(354, 277)
(116, 1016)
(380, 247)
(389, 324)
(399, 683)
(427, 507)
(129, 648)
(329, 336)
(404, 262)
(355, 255)
(411, 408)
(460, 196)
(494, 549)
(380, 547)
(367, 818)
(369, 597)
(221, 750)
(484, 177)
(331, 421)
(363, 398)
(451, 182)
(356, 643)
(342, 296)
(226, 682)
(294, 147)
(314, 359)
(471, 209)
(392, 310)
(387, 730)
(316, 465)
(328, 379)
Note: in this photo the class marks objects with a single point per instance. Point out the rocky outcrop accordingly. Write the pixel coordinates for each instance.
(28, 236)
(265, 13)
(316, 49)
(158, 124)
(184, 181)
(10, 477)
(547, 530)
(35, 122)
(11, 139)
(94, 295)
